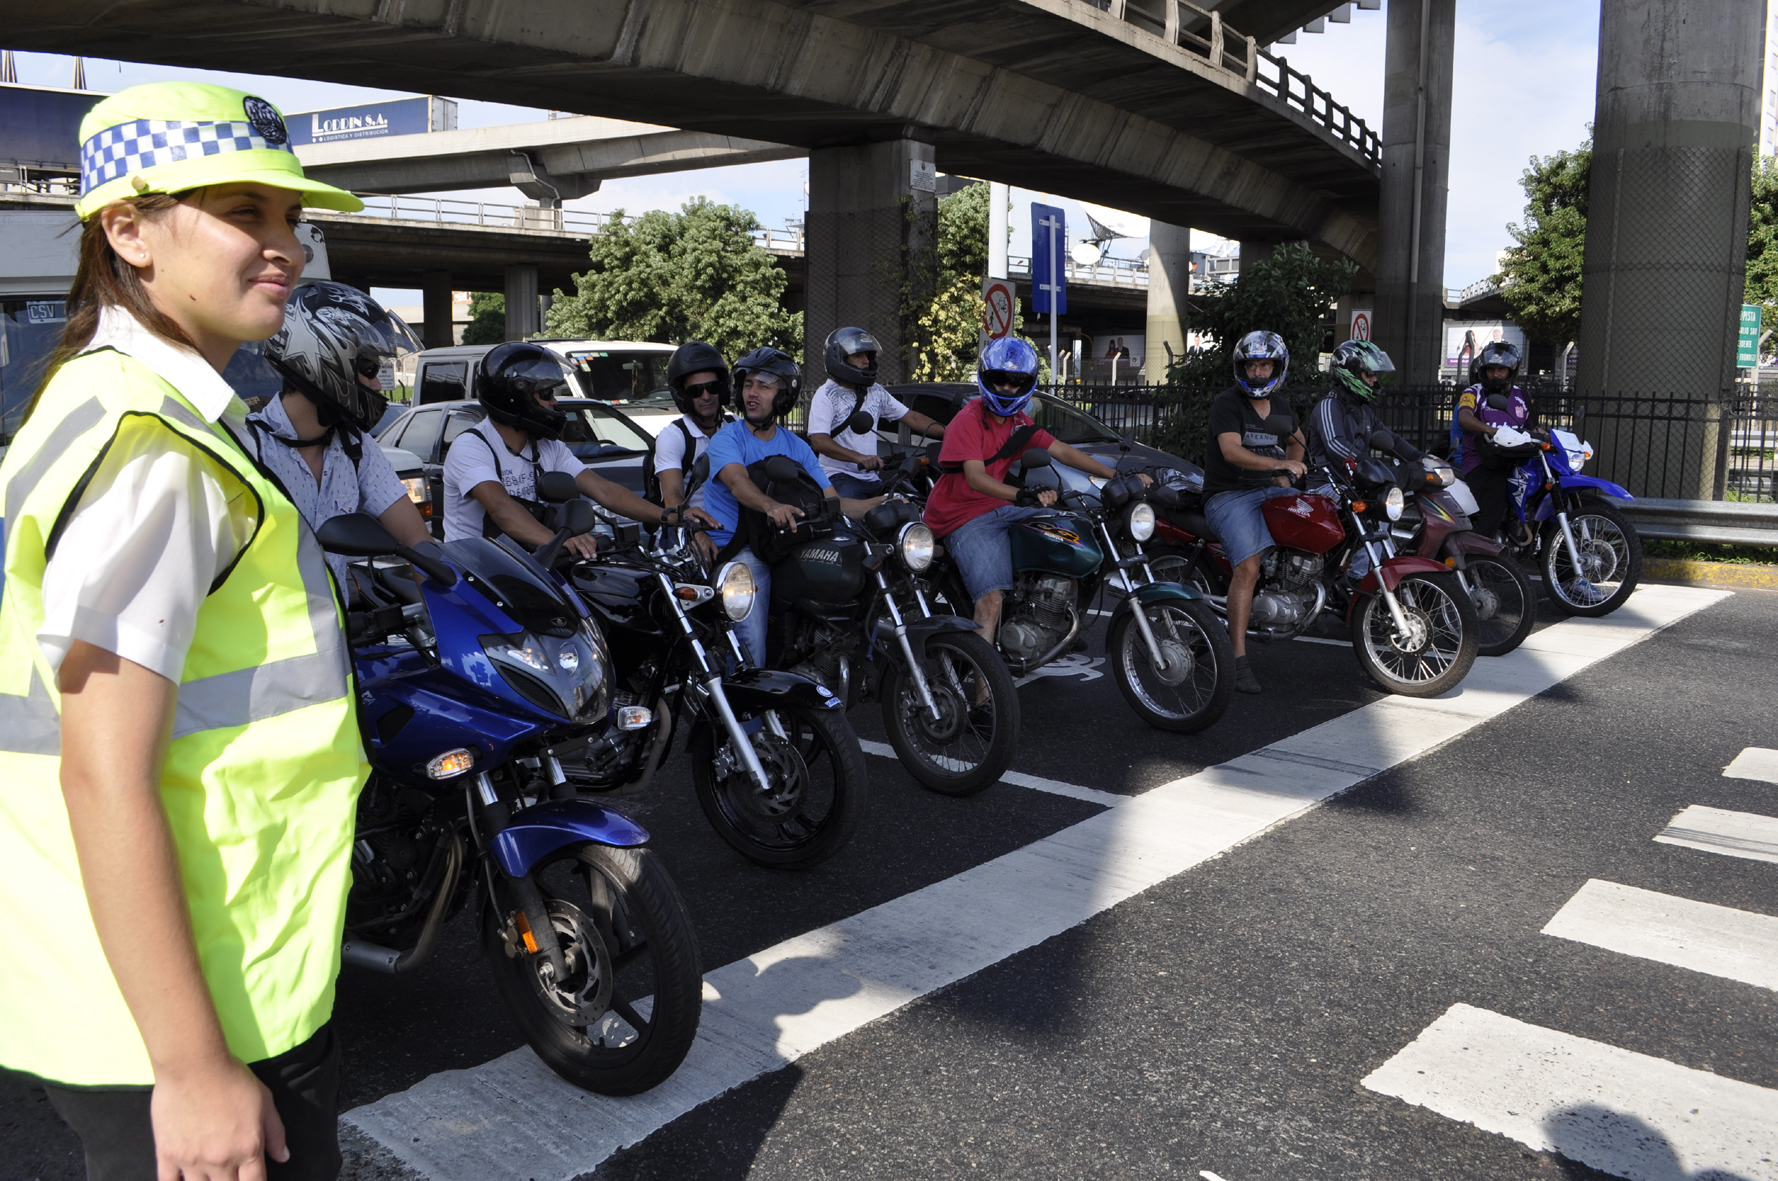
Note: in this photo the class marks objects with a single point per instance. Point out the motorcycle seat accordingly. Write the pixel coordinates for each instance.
(1194, 522)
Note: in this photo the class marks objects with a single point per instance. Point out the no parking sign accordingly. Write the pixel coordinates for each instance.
(998, 305)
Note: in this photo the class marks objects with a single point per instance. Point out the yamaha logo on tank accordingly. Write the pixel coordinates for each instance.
(821, 555)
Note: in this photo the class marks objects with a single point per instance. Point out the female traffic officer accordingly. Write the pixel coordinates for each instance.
(179, 758)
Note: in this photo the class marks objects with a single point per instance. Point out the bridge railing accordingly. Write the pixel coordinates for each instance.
(1203, 32)
(452, 211)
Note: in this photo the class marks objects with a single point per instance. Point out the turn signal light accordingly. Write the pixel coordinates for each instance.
(634, 717)
(450, 763)
(1450, 563)
(688, 593)
(1359, 506)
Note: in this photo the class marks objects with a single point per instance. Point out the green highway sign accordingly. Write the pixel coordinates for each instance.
(1747, 343)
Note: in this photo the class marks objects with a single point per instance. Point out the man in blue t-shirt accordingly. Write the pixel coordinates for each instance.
(767, 381)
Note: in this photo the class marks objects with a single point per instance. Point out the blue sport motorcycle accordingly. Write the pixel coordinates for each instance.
(473, 666)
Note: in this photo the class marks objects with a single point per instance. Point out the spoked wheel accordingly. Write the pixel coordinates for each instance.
(624, 1016)
(815, 786)
(1505, 605)
(1194, 685)
(1438, 647)
(970, 743)
(1610, 561)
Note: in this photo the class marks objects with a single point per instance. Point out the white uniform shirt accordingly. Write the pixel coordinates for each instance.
(828, 412)
(473, 461)
(154, 528)
(372, 487)
(669, 450)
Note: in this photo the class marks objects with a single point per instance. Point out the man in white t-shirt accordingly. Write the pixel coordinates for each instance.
(850, 457)
(699, 379)
(491, 473)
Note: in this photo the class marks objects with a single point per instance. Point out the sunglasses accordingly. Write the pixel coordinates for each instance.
(706, 387)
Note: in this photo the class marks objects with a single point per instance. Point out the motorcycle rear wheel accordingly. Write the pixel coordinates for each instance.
(818, 789)
(645, 960)
(1505, 602)
(1440, 652)
(971, 745)
(1185, 700)
(1611, 561)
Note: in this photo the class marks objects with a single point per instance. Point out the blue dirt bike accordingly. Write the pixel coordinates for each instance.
(473, 666)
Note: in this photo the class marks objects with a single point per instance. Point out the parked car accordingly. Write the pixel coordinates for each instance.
(603, 438)
(617, 371)
(941, 400)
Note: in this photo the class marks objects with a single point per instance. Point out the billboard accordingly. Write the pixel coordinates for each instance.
(40, 127)
(1465, 338)
(401, 116)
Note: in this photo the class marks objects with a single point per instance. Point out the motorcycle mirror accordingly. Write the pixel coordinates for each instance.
(577, 517)
(781, 469)
(700, 473)
(557, 488)
(356, 535)
(1035, 457)
(862, 423)
(1382, 440)
(1499, 402)
(1128, 441)
(1281, 425)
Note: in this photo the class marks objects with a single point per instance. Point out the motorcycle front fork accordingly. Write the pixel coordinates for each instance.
(1155, 654)
(915, 672)
(1379, 552)
(710, 681)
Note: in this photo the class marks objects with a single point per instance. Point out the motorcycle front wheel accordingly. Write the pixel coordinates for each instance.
(815, 793)
(1197, 681)
(1610, 561)
(1439, 647)
(624, 1018)
(970, 744)
(1505, 603)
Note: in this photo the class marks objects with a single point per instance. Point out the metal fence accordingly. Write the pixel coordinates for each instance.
(1656, 445)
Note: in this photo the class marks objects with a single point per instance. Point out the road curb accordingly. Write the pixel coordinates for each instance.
(1738, 575)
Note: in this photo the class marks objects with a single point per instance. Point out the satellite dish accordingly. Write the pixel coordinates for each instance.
(1086, 254)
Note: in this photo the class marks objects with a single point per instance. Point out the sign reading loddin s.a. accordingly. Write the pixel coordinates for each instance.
(402, 116)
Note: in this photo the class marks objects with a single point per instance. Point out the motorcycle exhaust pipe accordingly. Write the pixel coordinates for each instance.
(387, 960)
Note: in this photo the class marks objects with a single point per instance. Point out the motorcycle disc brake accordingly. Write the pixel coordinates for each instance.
(785, 772)
(585, 995)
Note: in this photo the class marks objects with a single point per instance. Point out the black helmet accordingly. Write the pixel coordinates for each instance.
(1352, 360)
(508, 382)
(1504, 354)
(332, 333)
(779, 364)
(694, 356)
(842, 343)
(1260, 345)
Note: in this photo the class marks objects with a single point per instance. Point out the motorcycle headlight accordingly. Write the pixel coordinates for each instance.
(565, 676)
(736, 583)
(915, 545)
(1578, 459)
(1393, 503)
(1140, 521)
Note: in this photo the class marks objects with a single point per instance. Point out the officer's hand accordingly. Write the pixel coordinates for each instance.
(783, 515)
(583, 546)
(1047, 497)
(215, 1122)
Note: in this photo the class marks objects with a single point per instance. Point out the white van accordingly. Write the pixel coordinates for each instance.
(630, 374)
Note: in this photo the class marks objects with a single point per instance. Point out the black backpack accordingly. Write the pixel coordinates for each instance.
(651, 480)
(756, 531)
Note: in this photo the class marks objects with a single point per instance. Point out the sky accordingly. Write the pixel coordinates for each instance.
(1523, 86)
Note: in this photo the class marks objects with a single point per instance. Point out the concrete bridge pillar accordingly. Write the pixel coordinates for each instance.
(1252, 252)
(1677, 117)
(870, 236)
(522, 319)
(435, 308)
(1410, 305)
(1169, 289)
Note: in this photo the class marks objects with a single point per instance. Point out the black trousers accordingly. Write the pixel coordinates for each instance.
(114, 1127)
(1489, 484)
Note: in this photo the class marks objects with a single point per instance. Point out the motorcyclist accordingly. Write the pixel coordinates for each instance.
(698, 377)
(1344, 422)
(490, 475)
(1474, 426)
(769, 382)
(972, 506)
(1241, 464)
(312, 439)
(849, 457)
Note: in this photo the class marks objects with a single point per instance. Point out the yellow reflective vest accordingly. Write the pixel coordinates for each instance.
(261, 778)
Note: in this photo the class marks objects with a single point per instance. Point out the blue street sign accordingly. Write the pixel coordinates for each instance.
(1049, 246)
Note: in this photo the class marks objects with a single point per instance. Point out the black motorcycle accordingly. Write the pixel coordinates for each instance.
(849, 611)
(775, 765)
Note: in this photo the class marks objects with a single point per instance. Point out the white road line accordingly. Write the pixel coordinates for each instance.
(1699, 936)
(1756, 762)
(1717, 830)
(511, 1118)
(1623, 1113)
(1091, 795)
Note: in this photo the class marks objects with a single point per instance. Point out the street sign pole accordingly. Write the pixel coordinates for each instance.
(1047, 280)
(1054, 263)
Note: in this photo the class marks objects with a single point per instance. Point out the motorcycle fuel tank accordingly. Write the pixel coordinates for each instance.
(827, 570)
(1304, 521)
(1056, 543)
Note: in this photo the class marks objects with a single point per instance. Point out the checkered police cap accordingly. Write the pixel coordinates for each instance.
(171, 137)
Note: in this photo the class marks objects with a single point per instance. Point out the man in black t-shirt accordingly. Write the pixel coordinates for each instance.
(1241, 472)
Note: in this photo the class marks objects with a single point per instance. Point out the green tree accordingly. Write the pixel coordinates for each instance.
(487, 319)
(950, 327)
(1762, 241)
(1541, 275)
(673, 277)
(1289, 293)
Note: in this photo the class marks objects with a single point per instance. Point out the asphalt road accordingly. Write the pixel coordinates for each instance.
(1223, 1020)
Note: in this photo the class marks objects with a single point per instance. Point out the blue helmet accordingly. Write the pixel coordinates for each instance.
(1008, 357)
(1261, 345)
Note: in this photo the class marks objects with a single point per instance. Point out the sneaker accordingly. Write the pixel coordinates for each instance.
(1245, 681)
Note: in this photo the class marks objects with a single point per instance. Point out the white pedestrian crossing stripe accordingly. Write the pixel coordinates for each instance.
(1717, 830)
(1624, 1113)
(1756, 762)
(1717, 940)
(1056, 787)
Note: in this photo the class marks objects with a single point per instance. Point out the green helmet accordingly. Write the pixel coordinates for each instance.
(1354, 359)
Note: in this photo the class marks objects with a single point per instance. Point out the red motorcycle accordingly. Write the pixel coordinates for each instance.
(1437, 526)
(1412, 624)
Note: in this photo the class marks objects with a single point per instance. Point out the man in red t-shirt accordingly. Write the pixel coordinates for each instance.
(972, 506)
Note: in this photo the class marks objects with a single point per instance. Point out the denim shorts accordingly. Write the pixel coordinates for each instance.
(1236, 520)
(852, 487)
(981, 549)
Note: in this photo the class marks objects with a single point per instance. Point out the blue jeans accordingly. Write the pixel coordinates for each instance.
(852, 488)
(1236, 519)
(752, 629)
(982, 552)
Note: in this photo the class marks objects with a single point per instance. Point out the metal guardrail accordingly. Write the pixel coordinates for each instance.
(451, 211)
(1714, 522)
